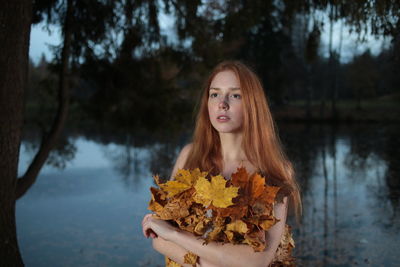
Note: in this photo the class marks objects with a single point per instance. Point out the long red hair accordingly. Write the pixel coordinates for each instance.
(261, 143)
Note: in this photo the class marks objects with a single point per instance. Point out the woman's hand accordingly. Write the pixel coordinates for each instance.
(153, 227)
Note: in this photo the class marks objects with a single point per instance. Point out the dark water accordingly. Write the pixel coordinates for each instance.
(89, 214)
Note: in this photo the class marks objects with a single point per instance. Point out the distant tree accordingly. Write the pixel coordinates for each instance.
(362, 77)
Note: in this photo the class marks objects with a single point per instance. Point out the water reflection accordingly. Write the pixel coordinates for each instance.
(349, 219)
(349, 176)
(128, 161)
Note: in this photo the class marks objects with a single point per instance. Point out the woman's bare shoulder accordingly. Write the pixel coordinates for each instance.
(181, 159)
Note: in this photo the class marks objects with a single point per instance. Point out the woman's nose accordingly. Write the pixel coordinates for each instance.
(223, 104)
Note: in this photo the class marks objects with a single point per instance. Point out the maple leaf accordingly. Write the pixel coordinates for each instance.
(183, 181)
(255, 240)
(202, 206)
(157, 180)
(158, 200)
(235, 212)
(253, 188)
(267, 223)
(269, 194)
(174, 187)
(176, 207)
(214, 192)
(189, 177)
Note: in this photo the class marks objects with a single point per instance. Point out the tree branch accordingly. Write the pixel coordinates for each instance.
(50, 140)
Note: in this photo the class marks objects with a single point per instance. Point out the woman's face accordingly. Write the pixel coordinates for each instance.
(225, 103)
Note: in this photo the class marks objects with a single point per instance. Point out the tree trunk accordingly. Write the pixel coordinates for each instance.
(335, 112)
(310, 90)
(50, 140)
(323, 97)
(15, 25)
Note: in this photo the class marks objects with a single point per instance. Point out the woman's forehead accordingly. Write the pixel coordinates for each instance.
(224, 80)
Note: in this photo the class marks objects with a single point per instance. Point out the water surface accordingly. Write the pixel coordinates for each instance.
(89, 214)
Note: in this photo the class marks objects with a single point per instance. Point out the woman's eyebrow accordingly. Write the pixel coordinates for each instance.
(231, 88)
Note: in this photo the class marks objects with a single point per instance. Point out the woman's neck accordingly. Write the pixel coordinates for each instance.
(231, 147)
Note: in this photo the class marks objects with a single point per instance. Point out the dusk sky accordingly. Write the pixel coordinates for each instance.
(41, 39)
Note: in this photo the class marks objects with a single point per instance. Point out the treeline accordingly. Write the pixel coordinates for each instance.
(125, 71)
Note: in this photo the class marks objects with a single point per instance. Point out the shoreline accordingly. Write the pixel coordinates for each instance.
(293, 113)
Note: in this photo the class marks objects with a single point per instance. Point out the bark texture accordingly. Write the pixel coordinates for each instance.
(15, 23)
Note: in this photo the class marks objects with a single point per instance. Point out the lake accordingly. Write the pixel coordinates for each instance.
(89, 213)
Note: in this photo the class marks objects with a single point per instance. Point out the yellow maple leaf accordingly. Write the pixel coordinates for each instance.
(189, 177)
(214, 192)
(183, 180)
(174, 187)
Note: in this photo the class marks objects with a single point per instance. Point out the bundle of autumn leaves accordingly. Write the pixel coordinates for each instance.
(215, 209)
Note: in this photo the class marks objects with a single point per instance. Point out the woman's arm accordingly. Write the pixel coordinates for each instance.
(175, 252)
(236, 255)
(216, 253)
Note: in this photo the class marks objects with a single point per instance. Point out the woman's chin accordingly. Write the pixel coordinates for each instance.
(226, 130)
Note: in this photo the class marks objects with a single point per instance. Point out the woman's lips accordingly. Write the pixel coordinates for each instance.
(223, 118)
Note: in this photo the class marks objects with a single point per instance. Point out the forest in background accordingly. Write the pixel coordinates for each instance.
(127, 73)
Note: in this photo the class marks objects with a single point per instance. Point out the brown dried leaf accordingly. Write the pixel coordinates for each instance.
(171, 263)
(235, 212)
(176, 207)
(254, 188)
(202, 226)
(268, 223)
(190, 258)
(255, 240)
(157, 180)
(214, 234)
(158, 200)
(283, 255)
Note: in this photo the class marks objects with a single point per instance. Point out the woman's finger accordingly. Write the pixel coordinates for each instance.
(148, 232)
(145, 229)
(146, 218)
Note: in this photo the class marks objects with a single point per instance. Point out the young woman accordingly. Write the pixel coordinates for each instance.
(234, 128)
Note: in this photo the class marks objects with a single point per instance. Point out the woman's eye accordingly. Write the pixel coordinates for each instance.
(213, 95)
(237, 96)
